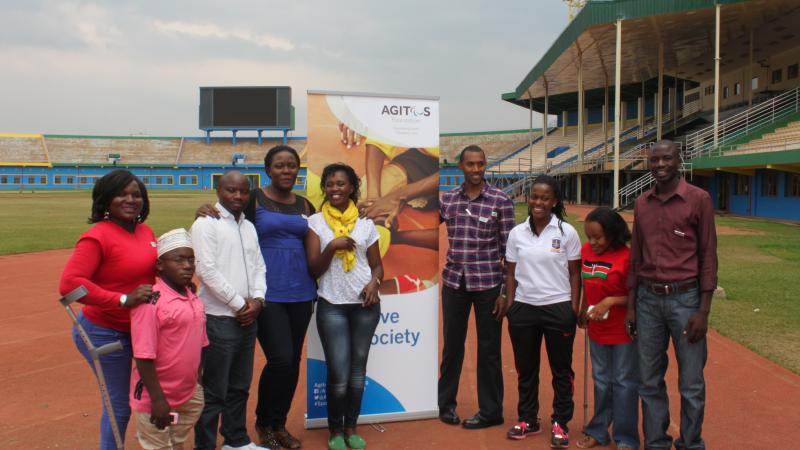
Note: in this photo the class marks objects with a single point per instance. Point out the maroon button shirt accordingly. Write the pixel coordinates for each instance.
(674, 238)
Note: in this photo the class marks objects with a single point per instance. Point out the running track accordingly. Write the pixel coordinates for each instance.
(49, 398)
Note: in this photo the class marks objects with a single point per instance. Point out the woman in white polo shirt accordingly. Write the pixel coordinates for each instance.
(543, 258)
(343, 253)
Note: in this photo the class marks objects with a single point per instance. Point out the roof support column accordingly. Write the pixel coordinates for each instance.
(545, 127)
(580, 124)
(564, 119)
(581, 107)
(749, 81)
(660, 93)
(530, 133)
(673, 106)
(643, 112)
(640, 116)
(716, 77)
(617, 111)
(605, 120)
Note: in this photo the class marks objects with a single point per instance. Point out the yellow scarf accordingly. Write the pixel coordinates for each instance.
(342, 224)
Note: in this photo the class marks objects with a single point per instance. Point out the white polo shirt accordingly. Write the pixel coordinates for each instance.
(542, 271)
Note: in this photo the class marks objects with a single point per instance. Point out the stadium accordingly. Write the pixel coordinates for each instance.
(719, 77)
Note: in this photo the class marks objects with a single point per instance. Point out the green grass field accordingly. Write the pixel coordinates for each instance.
(758, 259)
(45, 220)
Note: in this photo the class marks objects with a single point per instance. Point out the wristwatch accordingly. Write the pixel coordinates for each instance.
(123, 299)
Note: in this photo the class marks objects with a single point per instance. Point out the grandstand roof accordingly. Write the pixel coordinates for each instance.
(686, 29)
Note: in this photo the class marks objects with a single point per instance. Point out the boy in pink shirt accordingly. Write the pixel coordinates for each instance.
(168, 334)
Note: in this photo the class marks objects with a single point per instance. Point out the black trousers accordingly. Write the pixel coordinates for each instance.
(456, 305)
(281, 332)
(527, 325)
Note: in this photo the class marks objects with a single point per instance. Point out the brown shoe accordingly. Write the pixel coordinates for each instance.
(286, 440)
(268, 438)
(587, 442)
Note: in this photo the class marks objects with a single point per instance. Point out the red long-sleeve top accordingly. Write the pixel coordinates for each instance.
(110, 261)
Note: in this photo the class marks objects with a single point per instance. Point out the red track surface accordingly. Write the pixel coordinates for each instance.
(50, 398)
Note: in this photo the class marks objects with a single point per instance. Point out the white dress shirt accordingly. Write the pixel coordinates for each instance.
(228, 262)
(542, 270)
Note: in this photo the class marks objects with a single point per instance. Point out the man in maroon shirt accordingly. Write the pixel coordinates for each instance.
(672, 278)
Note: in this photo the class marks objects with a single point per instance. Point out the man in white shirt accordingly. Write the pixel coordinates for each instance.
(232, 286)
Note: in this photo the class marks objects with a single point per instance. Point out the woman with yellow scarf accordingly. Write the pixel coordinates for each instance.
(343, 253)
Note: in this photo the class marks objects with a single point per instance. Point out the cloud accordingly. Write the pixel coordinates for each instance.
(92, 24)
(210, 30)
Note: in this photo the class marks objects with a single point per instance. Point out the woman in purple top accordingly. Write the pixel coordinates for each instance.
(280, 217)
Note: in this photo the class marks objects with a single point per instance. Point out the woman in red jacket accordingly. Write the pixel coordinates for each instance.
(115, 261)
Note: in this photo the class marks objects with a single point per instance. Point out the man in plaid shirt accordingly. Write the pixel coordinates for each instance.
(478, 217)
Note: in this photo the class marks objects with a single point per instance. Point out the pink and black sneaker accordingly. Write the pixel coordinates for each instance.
(524, 429)
(558, 437)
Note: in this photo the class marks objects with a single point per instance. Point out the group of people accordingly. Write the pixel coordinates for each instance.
(631, 300)
(264, 258)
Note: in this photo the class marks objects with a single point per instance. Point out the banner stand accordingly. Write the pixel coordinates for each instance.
(399, 136)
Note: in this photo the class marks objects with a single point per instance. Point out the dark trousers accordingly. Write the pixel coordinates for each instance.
(227, 372)
(345, 332)
(281, 332)
(456, 305)
(527, 325)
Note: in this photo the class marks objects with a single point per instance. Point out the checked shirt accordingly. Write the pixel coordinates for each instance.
(477, 231)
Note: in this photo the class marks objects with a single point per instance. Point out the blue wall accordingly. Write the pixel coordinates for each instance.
(198, 176)
(755, 203)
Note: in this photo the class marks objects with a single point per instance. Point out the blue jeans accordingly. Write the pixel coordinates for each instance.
(615, 372)
(346, 335)
(659, 317)
(117, 372)
(227, 373)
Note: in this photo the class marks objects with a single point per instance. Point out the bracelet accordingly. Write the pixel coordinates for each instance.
(377, 281)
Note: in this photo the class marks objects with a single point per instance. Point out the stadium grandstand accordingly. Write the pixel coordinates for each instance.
(720, 77)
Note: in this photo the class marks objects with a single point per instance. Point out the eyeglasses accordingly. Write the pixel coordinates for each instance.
(180, 260)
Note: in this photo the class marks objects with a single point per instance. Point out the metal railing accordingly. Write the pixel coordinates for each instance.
(635, 188)
(492, 162)
(702, 142)
(771, 145)
(597, 160)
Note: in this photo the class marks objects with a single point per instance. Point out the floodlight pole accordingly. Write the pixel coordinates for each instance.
(617, 111)
(716, 78)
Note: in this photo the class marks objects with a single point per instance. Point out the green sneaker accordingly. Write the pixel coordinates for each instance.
(356, 442)
(337, 443)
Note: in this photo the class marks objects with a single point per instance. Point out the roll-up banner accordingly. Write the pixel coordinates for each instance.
(392, 142)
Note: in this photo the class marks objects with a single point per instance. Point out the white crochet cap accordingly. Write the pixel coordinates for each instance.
(173, 239)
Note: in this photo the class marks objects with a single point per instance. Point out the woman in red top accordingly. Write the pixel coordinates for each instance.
(615, 362)
(115, 261)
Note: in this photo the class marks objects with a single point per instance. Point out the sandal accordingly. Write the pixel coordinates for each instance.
(286, 440)
(587, 442)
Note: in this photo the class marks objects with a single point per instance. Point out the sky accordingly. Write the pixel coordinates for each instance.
(134, 68)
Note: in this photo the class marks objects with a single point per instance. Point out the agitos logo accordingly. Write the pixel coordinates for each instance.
(404, 110)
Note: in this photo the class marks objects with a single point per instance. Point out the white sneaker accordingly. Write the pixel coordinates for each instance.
(250, 446)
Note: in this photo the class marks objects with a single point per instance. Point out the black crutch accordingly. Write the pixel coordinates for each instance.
(95, 353)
